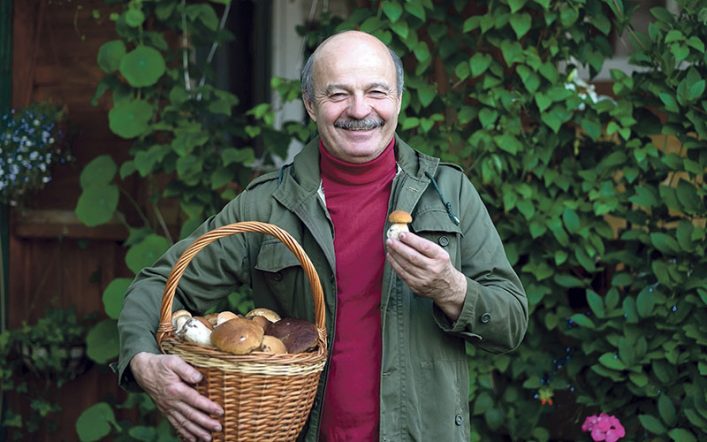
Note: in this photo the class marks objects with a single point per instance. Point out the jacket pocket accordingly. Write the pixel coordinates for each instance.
(281, 273)
(434, 224)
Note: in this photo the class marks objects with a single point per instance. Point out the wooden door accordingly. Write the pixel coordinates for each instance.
(53, 259)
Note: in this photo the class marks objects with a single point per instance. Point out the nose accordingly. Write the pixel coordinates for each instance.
(359, 107)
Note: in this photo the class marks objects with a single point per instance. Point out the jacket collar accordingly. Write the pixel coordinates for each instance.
(303, 180)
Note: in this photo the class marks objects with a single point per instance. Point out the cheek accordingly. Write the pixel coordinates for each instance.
(388, 110)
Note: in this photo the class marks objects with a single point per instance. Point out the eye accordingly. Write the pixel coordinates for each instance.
(337, 96)
(376, 93)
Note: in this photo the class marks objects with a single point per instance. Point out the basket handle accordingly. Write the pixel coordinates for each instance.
(165, 327)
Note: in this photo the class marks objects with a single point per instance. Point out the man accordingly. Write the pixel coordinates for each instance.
(399, 311)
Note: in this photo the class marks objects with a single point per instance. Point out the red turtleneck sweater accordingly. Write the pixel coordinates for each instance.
(357, 199)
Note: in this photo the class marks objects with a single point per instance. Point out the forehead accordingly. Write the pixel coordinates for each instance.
(354, 64)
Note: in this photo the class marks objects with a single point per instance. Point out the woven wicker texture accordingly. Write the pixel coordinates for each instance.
(265, 397)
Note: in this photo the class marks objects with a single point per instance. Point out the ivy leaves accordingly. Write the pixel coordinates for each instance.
(598, 198)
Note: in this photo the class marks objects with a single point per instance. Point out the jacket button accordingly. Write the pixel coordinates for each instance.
(277, 276)
(458, 419)
(443, 241)
(485, 318)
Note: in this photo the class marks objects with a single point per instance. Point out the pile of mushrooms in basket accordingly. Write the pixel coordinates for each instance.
(260, 330)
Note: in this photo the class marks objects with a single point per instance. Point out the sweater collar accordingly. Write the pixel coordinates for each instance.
(344, 172)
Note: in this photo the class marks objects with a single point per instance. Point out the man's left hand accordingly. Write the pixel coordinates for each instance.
(427, 269)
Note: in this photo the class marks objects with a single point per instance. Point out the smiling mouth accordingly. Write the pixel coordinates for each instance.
(359, 125)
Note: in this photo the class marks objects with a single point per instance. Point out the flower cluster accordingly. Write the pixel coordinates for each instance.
(31, 141)
(604, 427)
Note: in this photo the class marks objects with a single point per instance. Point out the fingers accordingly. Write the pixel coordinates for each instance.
(185, 371)
(191, 423)
(168, 379)
(418, 254)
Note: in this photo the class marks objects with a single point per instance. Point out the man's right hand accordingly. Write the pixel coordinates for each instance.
(168, 380)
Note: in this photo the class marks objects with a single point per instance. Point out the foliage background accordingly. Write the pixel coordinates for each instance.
(599, 200)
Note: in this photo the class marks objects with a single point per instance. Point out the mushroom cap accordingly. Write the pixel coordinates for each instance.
(264, 312)
(273, 345)
(400, 217)
(298, 335)
(262, 321)
(238, 336)
(212, 317)
(179, 313)
(225, 317)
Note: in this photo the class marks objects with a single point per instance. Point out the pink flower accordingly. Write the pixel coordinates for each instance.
(604, 428)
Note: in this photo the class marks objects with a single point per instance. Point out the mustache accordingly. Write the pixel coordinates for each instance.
(365, 124)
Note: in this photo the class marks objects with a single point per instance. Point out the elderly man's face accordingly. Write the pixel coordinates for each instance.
(355, 102)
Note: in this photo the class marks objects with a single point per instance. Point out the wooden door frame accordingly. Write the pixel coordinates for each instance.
(5, 103)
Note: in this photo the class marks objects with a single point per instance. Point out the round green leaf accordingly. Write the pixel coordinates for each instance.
(102, 341)
(130, 118)
(110, 54)
(100, 171)
(143, 66)
(146, 252)
(113, 296)
(134, 17)
(97, 204)
(143, 433)
(95, 422)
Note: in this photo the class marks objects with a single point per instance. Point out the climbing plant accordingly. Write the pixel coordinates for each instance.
(189, 153)
(599, 199)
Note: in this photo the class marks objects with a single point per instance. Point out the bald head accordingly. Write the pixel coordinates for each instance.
(350, 44)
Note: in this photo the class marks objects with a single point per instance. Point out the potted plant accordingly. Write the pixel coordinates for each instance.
(54, 348)
(32, 140)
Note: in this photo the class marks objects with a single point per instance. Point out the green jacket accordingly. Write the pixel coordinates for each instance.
(424, 375)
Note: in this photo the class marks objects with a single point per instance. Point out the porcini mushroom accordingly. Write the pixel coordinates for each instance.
(273, 345)
(179, 318)
(399, 220)
(238, 336)
(265, 313)
(196, 330)
(298, 335)
(224, 317)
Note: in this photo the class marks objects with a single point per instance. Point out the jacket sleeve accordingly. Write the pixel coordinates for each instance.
(495, 312)
(213, 274)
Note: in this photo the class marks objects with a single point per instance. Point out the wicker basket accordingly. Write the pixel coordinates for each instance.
(265, 397)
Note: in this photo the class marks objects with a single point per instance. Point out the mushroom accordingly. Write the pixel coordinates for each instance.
(238, 336)
(179, 318)
(212, 318)
(298, 335)
(261, 321)
(399, 220)
(264, 312)
(196, 330)
(224, 317)
(273, 345)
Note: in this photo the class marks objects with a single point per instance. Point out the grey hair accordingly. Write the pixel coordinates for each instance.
(307, 77)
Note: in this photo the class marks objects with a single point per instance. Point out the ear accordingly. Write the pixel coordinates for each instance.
(311, 109)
